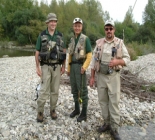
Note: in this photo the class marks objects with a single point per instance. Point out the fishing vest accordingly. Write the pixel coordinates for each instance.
(101, 59)
(52, 51)
(80, 49)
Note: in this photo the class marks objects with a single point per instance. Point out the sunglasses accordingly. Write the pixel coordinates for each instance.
(77, 19)
(107, 29)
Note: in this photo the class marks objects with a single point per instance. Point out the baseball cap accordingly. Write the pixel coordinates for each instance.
(77, 20)
(51, 16)
(110, 22)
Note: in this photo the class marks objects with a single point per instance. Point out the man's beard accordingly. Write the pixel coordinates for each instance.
(109, 36)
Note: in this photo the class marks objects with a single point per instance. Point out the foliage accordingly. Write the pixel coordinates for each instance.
(152, 88)
(23, 20)
(148, 88)
(132, 52)
(138, 49)
(149, 20)
(106, 16)
(16, 16)
(1, 32)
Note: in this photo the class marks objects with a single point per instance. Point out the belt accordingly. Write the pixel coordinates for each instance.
(54, 65)
(75, 62)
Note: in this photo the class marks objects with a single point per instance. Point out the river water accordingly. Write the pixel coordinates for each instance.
(15, 52)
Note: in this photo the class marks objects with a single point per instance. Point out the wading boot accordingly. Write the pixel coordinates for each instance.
(40, 117)
(115, 135)
(83, 115)
(53, 114)
(76, 111)
(103, 128)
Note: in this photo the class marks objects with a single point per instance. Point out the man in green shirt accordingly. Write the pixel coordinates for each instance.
(80, 54)
(50, 64)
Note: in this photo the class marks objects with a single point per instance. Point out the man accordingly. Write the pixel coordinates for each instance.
(78, 61)
(110, 54)
(50, 55)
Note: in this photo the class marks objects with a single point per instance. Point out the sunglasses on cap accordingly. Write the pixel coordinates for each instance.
(77, 20)
(107, 29)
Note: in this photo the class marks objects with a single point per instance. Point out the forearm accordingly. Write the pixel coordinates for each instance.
(68, 65)
(92, 73)
(37, 59)
(121, 62)
(87, 62)
(64, 63)
(116, 62)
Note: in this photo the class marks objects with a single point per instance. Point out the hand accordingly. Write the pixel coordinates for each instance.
(38, 71)
(91, 82)
(82, 70)
(68, 73)
(62, 70)
(113, 62)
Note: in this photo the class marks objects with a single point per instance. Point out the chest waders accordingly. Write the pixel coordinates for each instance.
(80, 91)
(78, 80)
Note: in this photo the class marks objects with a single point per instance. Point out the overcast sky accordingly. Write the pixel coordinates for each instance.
(118, 8)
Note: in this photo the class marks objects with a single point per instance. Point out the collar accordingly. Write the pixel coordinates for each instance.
(77, 36)
(55, 32)
(111, 40)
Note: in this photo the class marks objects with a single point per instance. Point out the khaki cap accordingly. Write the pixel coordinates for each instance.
(110, 22)
(51, 16)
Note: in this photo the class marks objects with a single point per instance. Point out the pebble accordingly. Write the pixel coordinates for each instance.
(142, 134)
(144, 66)
(18, 81)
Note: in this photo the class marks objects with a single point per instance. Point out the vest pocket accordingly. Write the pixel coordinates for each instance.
(106, 57)
(105, 69)
(44, 56)
(70, 48)
(82, 54)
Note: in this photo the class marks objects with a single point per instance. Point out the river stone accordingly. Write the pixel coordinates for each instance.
(142, 134)
(5, 133)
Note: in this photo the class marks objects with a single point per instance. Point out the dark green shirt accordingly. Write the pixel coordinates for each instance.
(52, 38)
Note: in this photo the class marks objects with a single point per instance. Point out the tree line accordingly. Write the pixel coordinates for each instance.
(23, 20)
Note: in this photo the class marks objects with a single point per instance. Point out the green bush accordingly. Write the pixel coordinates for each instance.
(135, 49)
(152, 88)
(132, 53)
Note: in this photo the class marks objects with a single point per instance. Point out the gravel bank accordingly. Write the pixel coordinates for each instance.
(18, 111)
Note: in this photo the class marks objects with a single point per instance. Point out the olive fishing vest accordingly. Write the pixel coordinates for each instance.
(100, 57)
(80, 49)
(51, 51)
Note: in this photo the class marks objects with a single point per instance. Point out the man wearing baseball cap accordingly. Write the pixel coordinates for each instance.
(50, 64)
(110, 55)
(80, 54)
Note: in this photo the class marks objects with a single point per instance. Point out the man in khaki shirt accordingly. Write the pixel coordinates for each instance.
(109, 56)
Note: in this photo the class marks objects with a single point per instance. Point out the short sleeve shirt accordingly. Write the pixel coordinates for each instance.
(50, 37)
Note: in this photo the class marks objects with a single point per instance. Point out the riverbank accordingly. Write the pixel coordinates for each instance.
(18, 110)
(10, 49)
(5, 52)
